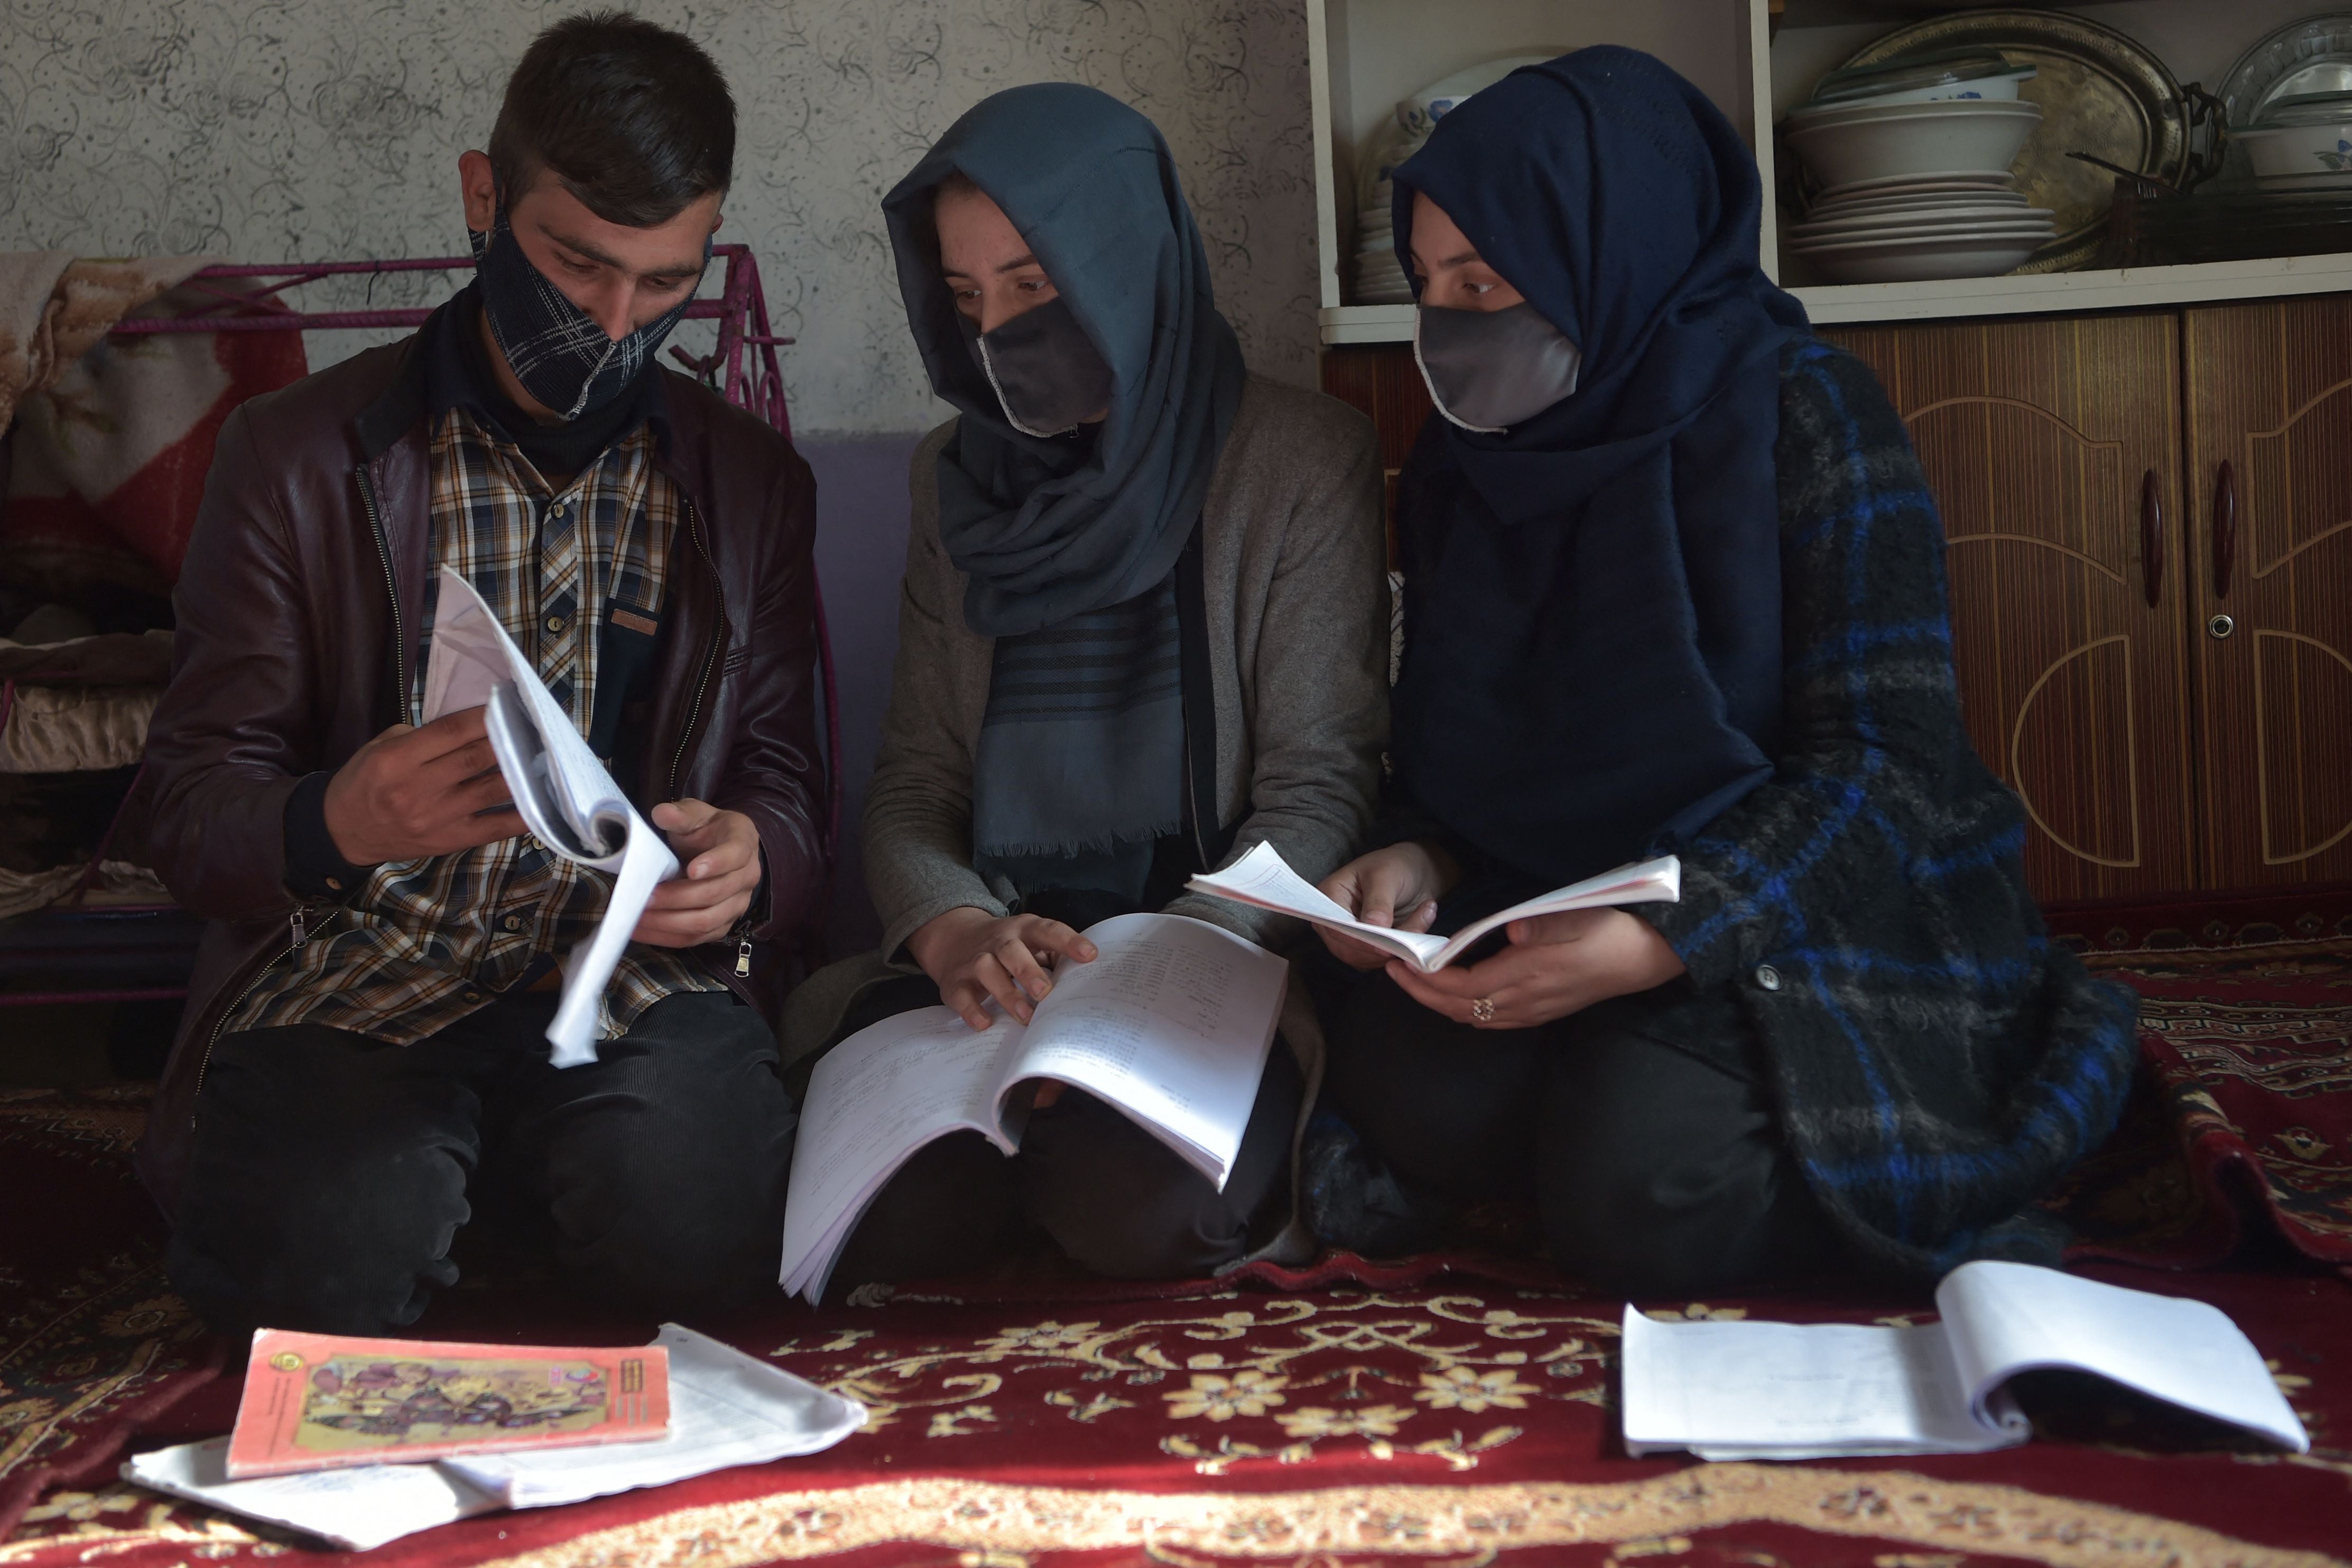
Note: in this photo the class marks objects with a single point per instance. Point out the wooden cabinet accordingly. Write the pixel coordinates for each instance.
(2053, 447)
(2269, 396)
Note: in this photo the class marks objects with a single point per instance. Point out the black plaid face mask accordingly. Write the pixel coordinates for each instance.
(554, 348)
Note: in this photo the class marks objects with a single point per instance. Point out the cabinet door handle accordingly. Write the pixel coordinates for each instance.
(2151, 538)
(2225, 528)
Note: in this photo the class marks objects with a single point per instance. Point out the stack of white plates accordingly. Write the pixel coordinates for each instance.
(1380, 280)
(1905, 227)
(1915, 190)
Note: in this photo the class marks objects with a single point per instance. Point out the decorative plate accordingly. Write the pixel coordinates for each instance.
(2257, 75)
(2100, 93)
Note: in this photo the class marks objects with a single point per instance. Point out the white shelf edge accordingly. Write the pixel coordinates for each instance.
(1364, 324)
(1851, 303)
(2113, 289)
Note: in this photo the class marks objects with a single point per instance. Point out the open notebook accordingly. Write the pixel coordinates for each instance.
(1169, 1025)
(1790, 1391)
(726, 1408)
(1264, 880)
(565, 796)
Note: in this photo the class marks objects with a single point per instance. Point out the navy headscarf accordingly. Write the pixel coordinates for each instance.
(1071, 542)
(1592, 665)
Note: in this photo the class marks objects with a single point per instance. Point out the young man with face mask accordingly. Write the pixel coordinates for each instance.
(363, 1067)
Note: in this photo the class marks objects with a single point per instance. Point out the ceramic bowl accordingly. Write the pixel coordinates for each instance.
(1915, 139)
(2278, 152)
(1875, 225)
(1419, 114)
(1918, 260)
(2033, 235)
(1859, 208)
(1950, 182)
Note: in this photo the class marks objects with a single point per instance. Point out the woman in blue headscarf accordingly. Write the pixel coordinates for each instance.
(1144, 628)
(1673, 583)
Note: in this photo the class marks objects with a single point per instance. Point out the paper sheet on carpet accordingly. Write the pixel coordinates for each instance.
(726, 1408)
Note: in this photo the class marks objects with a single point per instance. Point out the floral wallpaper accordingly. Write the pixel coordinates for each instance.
(309, 130)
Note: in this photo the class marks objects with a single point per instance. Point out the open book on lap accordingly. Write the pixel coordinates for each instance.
(565, 797)
(1169, 1025)
(1264, 880)
(1786, 1391)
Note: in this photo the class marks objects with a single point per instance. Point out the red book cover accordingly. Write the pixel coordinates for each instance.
(315, 1401)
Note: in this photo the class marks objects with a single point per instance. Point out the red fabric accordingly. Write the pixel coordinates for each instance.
(1464, 1400)
(1382, 1426)
(115, 481)
(2247, 1107)
(93, 1345)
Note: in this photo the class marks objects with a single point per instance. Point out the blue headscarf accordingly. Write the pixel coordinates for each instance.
(1071, 542)
(1592, 664)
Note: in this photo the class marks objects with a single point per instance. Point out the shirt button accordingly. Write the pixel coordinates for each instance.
(1767, 977)
(555, 622)
(335, 883)
(556, 511)
(471, 997)
(513, 923)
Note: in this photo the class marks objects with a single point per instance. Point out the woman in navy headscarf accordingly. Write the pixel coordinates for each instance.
(1144, 628)
(1674, 584)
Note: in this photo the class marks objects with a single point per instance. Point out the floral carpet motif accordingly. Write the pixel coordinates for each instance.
(2245, 1106)
(92, 1342)
(1353, 1426)
(1452, 1410)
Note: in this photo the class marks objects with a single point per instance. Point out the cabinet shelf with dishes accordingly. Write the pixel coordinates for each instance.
(2113, 78)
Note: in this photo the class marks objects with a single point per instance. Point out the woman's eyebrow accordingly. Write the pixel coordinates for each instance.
(1016, 264)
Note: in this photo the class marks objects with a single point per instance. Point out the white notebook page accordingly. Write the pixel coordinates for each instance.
(872, 1101)
(2008, 1318)
(1791, 1391)
(1170, 1022)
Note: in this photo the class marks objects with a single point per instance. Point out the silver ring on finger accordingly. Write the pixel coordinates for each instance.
(1483, 1011)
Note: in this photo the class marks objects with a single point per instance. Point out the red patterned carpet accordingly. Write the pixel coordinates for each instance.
(1349, 1415)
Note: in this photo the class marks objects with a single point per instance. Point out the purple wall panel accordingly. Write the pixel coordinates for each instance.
(861, 550)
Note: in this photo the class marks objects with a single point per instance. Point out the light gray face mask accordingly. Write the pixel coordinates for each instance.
(1489, 370)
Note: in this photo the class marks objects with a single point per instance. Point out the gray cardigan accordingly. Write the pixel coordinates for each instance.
(1294, 567)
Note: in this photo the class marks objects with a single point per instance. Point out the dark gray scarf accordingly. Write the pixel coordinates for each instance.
(1071, 542)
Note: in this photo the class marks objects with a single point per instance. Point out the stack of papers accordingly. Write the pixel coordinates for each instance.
(563, 793)
(726, 1408)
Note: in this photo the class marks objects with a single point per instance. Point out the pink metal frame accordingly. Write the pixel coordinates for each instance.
(743, 367)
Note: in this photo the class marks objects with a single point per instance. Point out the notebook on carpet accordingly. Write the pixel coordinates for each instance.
(725, 1408)
(1170, 1024)
(1788, 1391)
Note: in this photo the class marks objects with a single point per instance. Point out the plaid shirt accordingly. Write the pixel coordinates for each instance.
(427, 941)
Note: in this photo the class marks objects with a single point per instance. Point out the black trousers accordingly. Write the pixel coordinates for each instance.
(1640, 1128)
(1116, 1199)
(331, 1172)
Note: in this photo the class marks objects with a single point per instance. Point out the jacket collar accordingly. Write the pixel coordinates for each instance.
(400, 406)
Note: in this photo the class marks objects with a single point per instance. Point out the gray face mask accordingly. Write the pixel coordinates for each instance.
(1490, 370)
(1044, 368)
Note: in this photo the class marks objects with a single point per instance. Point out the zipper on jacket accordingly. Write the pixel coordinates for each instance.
(392, 597)
(204, 1062)
(709, 659)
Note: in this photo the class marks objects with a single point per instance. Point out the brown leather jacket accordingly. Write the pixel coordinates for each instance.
(297, 638)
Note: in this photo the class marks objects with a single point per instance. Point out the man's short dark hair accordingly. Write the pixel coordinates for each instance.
(635, 119)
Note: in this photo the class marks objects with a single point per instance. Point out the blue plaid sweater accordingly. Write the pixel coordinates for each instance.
(1937, 1062)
